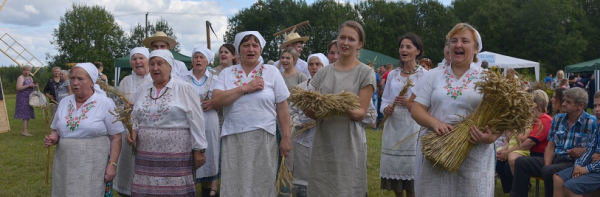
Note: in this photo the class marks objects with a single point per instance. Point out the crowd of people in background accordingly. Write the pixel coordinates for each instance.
(231, 123)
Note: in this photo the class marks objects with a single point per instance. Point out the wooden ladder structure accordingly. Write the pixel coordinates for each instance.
(4, 123)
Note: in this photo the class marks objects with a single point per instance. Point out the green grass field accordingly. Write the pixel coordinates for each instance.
(23, 159)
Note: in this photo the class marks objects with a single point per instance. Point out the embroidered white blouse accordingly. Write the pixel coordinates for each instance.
(396, 82)
(447, 97)
(256, 110)
(131, 83)
(89, 121)
(174, 106)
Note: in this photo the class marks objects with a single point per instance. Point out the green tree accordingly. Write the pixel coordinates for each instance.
(325, 17)
(88, 34)
(138, 33)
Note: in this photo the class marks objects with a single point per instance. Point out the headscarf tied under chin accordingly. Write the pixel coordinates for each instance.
(321, 57)
(240, 36)
(93, 72)
(206, 52)
(140, 50)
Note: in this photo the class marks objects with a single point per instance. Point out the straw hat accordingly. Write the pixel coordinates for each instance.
(292, 37)
(159, 36)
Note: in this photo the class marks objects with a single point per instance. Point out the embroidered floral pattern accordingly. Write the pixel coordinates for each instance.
(457, 91)
(155, 110)
(254, 75)
(73, 122)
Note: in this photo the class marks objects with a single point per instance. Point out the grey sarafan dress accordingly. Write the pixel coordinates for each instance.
(338, 164)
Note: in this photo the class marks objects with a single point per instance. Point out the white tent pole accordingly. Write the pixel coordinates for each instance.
(116, 77)
(537, 73)
(597, 73)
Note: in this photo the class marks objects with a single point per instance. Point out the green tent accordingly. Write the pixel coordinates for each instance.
(123, 63)
(586, 67)
(368, 56)
(589, 66)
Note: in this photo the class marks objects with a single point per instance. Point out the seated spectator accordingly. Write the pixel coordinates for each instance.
(584, 177)
(567, 139)
(485, 64)
(564, 83)
(533, 143)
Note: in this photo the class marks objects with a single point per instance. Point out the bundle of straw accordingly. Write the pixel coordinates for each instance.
(403, 92)
(324, 105)
(122, 110)
(505, 107)
(49, 117)
(284, 179)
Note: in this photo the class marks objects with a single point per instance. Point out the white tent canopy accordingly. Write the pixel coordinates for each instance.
(503, 61)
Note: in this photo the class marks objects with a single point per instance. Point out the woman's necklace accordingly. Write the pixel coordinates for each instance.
(154, 99)
(413, 71)
(197, 83)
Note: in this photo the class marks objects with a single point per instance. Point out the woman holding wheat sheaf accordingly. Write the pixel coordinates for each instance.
(398, 159)
(446, 96)
(338, 165)
(138, 59)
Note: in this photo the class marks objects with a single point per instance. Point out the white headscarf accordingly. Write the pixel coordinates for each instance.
(241, 35)
(168, 57)
(93, 72)
(206, 52)
(321, 57)
(140, 50)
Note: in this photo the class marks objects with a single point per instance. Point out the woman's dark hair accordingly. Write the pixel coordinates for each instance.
(231, 49)
(98, 64)
(415, 41)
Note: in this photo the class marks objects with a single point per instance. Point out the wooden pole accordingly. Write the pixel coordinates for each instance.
(290, 28)
(207, 34)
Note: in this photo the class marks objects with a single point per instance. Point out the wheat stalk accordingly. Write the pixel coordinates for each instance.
(324, 105)
(122, 111)
(284, 178)
(404, 90)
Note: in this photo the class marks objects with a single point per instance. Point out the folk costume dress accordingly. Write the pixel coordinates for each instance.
(249, 151)
(398, 144)
(125, 166)
(448, 98)
(209, 171)
(294, 80)
(82, 152)
(338, 165)
(169, 125)
(298, 160)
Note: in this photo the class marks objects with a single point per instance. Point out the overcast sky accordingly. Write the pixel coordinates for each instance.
(31, 22)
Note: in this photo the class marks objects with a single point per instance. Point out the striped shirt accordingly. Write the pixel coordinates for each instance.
(574, 137)
(586, 158)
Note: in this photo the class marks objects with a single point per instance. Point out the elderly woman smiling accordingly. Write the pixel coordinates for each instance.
(170, 125)
(82, 123)
(253, 96)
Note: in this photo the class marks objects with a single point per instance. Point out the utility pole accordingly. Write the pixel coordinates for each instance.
(208, 34)
(146, 32)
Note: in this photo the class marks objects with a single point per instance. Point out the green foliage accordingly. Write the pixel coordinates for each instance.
(137, 34)
(88, 34)
(555, 33)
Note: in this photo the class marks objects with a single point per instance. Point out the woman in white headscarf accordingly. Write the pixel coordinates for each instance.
(299, 158)
(254, 97)
(202, 79)
(138, 59)
(169, 129)
(84, 159)
(446, 95)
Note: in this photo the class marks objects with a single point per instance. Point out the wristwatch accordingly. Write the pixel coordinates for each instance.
(113, 163)
(201, 150)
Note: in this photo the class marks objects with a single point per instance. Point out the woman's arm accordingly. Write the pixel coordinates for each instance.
(115, 150)
(20, 86)
(421, 116)
(283, 114)
(364, 98)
